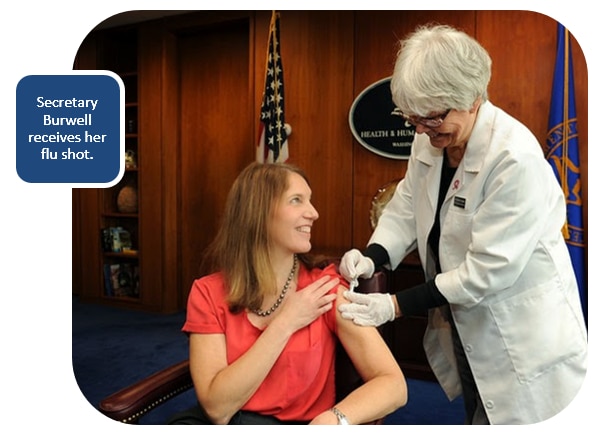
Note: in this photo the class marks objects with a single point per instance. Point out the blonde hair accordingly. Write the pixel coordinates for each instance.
(240, 249)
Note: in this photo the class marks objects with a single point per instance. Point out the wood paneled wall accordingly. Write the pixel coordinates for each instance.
(202, 80)
(521, 44)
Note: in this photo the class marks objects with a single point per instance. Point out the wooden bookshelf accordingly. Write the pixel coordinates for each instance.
(114, 275)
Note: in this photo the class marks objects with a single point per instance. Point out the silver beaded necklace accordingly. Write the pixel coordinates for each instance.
(260, 312)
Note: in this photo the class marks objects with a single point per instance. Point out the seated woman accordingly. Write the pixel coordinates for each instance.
(263, 327)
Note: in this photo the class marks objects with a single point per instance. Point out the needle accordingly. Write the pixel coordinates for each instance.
(352, 284)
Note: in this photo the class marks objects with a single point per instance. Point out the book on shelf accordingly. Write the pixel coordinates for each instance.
(121, 280)
(107, 278)
(106, 240)
(136, 280)
(116, 239)
(125, 239)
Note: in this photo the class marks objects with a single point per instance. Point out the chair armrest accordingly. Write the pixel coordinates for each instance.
(132, 402)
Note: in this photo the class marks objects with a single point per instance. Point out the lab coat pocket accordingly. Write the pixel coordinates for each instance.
(538, 329)
(456, 236)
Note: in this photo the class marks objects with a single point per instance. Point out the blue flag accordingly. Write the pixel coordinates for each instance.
(562, 152)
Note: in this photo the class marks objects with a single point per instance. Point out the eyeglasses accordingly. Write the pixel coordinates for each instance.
(429, 122)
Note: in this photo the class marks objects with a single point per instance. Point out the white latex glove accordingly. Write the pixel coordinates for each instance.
(368, 309)
(354, 264)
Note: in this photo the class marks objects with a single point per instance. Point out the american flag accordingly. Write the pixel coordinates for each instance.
(273, 135)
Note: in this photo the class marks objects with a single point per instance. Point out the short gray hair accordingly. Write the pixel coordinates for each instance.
(438, 68)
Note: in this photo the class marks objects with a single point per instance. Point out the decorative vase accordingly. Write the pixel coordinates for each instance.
(127, 200)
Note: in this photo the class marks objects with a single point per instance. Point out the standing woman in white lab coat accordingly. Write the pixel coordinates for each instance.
(485, 211)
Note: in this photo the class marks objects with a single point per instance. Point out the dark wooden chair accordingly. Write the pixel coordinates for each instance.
(129, 404)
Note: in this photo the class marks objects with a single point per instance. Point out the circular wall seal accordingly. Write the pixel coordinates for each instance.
(376, 125)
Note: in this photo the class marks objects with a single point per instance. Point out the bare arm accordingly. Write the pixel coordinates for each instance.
(223, 389)
(385, 387)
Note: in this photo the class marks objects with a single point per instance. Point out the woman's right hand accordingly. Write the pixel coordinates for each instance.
(302, 307)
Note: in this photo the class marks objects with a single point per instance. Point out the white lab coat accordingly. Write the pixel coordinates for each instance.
(506, 271)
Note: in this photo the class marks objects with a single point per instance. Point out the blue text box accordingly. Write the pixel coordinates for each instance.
(70, 129)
